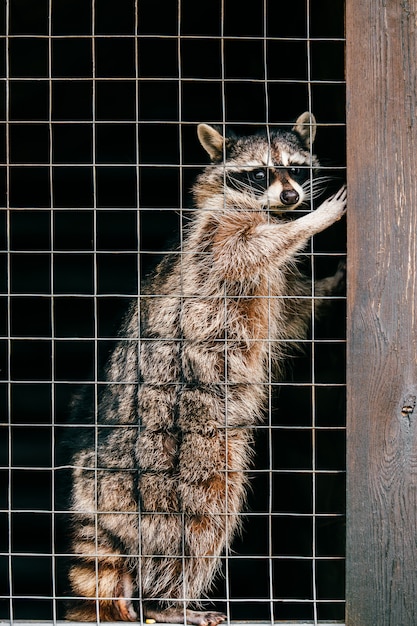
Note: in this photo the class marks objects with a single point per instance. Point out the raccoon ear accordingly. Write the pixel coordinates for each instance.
(211, 140)
(305, 127)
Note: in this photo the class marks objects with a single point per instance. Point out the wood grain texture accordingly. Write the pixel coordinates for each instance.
(382, 320)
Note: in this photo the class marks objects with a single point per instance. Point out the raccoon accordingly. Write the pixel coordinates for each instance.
(157, 495)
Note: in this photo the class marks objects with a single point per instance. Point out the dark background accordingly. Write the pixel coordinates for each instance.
(75, 145)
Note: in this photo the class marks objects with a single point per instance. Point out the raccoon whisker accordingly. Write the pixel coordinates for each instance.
(185, 217)
(316, 187)
(237, 184)
(241, 185)
(315, 182)
(322, 181)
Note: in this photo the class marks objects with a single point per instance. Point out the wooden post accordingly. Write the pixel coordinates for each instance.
(382, 312)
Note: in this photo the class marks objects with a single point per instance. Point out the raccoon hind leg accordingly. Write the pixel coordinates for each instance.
(180, 616)
(110, 588)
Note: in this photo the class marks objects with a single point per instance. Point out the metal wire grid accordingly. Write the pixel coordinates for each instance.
(36, 197)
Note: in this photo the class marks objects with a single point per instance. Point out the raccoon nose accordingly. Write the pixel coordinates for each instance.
(289, 196)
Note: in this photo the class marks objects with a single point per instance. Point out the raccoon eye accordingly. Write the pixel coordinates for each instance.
(295, 171)
(258, 175)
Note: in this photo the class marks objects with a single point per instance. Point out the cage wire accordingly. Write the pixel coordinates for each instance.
(99, 106)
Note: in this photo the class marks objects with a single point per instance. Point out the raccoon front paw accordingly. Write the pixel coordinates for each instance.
(335, 205)
(329, 212)
(339, 278)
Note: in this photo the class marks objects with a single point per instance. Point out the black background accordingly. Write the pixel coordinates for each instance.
(71, 145)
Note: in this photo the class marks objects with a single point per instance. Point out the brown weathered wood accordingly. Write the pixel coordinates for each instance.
(382, 320)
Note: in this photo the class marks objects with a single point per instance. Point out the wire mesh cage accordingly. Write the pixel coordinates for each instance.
(99, 107)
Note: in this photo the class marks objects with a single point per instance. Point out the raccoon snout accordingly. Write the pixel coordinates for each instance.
(289, 196)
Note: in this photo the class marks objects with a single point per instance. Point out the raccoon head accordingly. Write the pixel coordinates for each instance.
(260, 171)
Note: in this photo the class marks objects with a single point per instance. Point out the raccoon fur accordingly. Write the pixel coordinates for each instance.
(157, 493)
